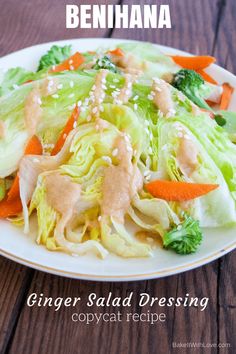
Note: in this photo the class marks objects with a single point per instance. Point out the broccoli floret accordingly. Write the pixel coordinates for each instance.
(220, 120)
(185, 238)
(192, 85)
(106, 63)
(54, 56)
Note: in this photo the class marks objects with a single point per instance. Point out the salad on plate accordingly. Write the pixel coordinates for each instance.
(119, 150)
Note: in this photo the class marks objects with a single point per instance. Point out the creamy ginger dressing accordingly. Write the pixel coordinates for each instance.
(49, 86)
(98, 92)
(120, 183)
(62, 193)
(187, 156)
(2, 129)
(163, 97)
(32, 110)
(129, 64)
(126, 91)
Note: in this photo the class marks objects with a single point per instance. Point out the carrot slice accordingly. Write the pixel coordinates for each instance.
(70, 125)
(33, 147)
(226, 96)
(118, 52)
(71, 63)
(207, 77)
(178, 191)
(10, 208)
(193, 63)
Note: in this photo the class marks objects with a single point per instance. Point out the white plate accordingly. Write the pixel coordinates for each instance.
(23, 249)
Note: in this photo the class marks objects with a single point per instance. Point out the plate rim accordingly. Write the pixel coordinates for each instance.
(128, 277)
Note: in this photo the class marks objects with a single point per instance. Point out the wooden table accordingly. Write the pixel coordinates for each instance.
(199, 26)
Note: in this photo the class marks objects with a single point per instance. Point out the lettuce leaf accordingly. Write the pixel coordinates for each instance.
(13, 78)
(216, 208)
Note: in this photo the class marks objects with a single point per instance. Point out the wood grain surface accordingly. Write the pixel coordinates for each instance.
(199, 26)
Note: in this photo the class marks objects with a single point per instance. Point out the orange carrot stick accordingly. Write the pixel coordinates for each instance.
(207, 77)
(10, 208)
(33, 147)
(118, 52)
(193, 63)
(70, 125)
(71, 63)
(226, 96)
(178, 191)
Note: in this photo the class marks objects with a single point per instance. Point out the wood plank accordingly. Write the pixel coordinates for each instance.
(226, 52)
(224, 48)
(193, 26)
(25, 23)
(43, 330)
(14, 281)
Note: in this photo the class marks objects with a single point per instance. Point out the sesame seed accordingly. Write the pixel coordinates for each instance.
(115, 152)
(82, 109)
(180, 135)
(104, 87)
(135, 106)
(79, 103)
(71, 67)
(94, 110)
(70, 61)
(147, 130)
(150, 97)
(179, 227)
(72, 84)
(187, 137)
(35, 160)
(135, 98)
(89, 118)
(93, 87)
(64, 136)
(150, 150)
(112, 86)
(129, 148)
(55, 95)
(75, 125)
(39, 101)
(114, 94)
(99, 218)
(101, 108)
(115, 80)
(103, 80)
(146, 122)
(152, 93)
(60, 86)
(107, 159)
(127, 92)
(164, 147)
(53, 67)
(158, 89)
(146, 173)
(15, 86)
(156, 80)
(127, 139)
